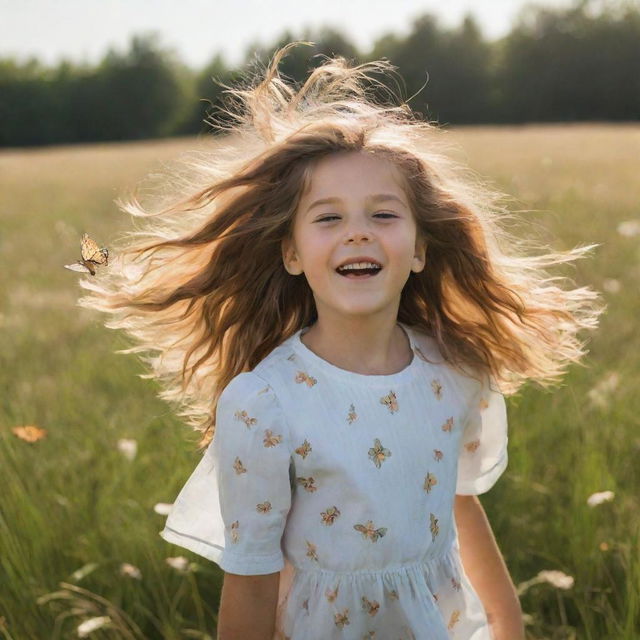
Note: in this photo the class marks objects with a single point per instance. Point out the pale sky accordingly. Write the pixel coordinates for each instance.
(82, 30)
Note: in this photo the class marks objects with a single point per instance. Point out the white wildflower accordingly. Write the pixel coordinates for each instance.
(598, 498)
(611, 285)
(180, 563)
(128, 448)
(556, 578)
(130, 570)
(162, 508)
(91, 625)
(629, 228)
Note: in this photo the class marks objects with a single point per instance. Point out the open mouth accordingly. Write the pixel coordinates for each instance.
(359, 272)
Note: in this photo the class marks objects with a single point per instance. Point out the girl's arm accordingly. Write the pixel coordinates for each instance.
(248, 607)
(487, 572)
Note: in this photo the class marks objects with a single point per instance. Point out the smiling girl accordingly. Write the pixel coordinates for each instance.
(337, 302)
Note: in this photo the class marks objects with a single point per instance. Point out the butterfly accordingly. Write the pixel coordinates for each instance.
(332, 595)
(308, 484)
(456, 584)
(270, 439)
(301, 376)
(435, 529)
(352, 415)
(263, 507)
(239, 467)
(312, 551)
(329, 516)
(390, 401)
(438, 455)
(341, 618)
(455, 617)
(448, 425)
(429, 481)
(304, 449)
(472, 446)
(234, 531)
(437, 388)
(370, 607)
(92, 256)
(244, 416)
(30, 433)
(369, 531)
(378, 454)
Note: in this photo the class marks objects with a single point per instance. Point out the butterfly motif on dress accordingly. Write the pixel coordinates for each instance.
(437, 388)
(341, 618)
(378, 453)
(305, 604)
(234, 531)
(435, 529)
(453, 620)
(448, 425)
(483, 404)
(456, 584)
(370, 607)
(308, 484)
(301, 376)
(352, 415)
(437, 455)
(312, 551)
(331, 595)
(270, 439)
(390, 401)
(238, 466)
(369, 531)
(263, 507)
(472, 446)
(244, 417)
(329, 516)
(430, 481)
(393, 594)
(304, 449)
(92, 256)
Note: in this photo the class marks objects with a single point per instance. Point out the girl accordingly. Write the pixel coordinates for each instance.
(355, 321)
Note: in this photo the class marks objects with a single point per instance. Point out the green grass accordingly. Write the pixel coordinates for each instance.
(72, 500)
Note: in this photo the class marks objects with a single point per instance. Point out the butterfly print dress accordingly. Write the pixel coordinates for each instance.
(345, 483)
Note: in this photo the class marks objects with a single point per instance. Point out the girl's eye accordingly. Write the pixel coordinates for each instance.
(331, 217)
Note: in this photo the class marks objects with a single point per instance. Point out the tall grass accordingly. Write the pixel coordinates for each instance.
(74, 508)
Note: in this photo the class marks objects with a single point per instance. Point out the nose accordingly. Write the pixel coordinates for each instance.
(357, 234)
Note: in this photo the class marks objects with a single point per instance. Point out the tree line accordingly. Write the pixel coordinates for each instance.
(570, 64)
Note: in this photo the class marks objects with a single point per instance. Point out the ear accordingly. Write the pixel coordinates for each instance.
(419, 256)
(290, 257)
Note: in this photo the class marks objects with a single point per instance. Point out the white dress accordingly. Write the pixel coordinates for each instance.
(345, 483)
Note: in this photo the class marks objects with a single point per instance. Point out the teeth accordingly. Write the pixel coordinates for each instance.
(360, 265)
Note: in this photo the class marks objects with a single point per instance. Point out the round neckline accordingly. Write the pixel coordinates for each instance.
(334, 371)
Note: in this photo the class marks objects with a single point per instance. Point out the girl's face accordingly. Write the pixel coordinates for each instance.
(355, 210)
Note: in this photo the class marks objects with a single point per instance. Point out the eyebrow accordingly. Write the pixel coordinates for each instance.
(378, 197)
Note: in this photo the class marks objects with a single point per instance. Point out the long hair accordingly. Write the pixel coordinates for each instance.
(204, 284)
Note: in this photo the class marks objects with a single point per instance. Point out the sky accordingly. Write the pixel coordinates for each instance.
(83, 30)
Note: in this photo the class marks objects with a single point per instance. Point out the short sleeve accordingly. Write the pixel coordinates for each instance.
(233, 508)
(483, 448)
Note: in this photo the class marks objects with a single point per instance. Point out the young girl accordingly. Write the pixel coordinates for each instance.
(355, 321)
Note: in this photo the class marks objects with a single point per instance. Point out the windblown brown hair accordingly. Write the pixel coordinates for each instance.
(205, 286)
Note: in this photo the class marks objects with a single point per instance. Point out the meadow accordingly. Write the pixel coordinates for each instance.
(79, 519)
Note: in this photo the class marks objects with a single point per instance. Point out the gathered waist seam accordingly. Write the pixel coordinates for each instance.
(403, 568)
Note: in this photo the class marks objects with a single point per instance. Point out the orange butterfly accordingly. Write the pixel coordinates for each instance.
(332, 595)
(92, 256)
(238, 466)
(301, 376)
(434, 527)
(472, 446)
(270, 439)
(352, 415)
(263, 507)
(29, 433)
(438, 455)
(329, 516)
(429, 481)
(244, 417)
(370, 607)
(304, 449)
(369, 531)
(456, 584)
(448, 425)
(234, 531)
(378, 454)
(455, 616)
(390, 401)
(341, 618)
(308, 484)
(312, 551)
(437, 388)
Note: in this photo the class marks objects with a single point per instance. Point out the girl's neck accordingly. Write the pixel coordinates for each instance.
(371, 348)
